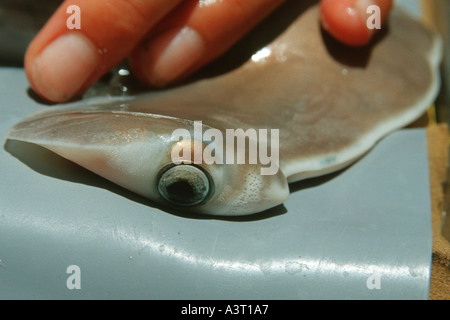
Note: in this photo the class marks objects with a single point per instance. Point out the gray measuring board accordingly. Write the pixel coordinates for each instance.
(65, 233)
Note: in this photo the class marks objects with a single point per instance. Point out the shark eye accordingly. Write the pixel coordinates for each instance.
(184, 185)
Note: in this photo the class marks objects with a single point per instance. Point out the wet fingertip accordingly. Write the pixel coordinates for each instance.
(343, 20)
(168, 56)
(63, 67)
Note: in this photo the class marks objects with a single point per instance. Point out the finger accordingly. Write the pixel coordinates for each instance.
(193, 35)
(346, 20)
(61, 62)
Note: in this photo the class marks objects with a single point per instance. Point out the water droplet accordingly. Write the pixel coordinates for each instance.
(266, 267)
(123, 72)
(293, 267)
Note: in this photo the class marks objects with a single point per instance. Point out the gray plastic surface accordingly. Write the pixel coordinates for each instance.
(363, 233)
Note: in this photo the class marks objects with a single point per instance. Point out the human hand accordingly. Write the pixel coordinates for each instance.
(165, 40)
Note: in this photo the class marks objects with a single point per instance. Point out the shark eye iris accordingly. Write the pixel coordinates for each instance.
(184, 185)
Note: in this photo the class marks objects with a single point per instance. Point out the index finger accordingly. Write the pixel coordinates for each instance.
(62, 62)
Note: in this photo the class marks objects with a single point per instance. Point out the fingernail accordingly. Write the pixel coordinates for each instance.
(63, 67)
(172, 54)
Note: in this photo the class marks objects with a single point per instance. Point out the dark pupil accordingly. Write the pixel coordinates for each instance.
(184, 185)
(182, 192)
